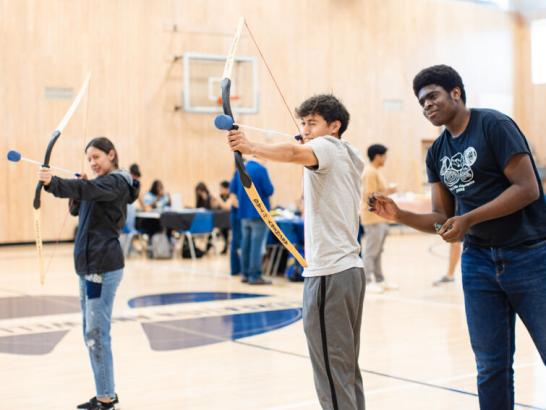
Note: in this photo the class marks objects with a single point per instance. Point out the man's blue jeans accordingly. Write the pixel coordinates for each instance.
(97, 301)
(235, 245)
(252, 244)
(499, 283)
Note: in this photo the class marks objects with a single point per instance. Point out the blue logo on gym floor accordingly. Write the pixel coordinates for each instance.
(34, 325)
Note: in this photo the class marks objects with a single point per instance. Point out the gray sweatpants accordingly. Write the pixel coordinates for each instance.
(375, 235)
(332, 314)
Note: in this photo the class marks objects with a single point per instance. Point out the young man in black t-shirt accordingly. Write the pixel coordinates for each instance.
(485, 190)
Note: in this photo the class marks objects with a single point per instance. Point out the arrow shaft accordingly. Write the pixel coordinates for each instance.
(67, 171)
(249, 127)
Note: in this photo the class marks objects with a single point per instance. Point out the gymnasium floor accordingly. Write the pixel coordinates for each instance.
(176, 351)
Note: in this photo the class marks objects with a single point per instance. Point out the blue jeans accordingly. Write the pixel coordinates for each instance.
(97, 300)
(499, 283)
(234, 258)
(252, 245)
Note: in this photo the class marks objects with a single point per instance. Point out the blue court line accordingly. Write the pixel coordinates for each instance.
(376, 373)
(389, 376)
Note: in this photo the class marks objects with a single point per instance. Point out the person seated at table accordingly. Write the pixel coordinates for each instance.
(224, 191)
(156, 198)
(204, 199)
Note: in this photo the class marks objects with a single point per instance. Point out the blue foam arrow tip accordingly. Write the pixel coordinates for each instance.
(14, 156)
(223, 122)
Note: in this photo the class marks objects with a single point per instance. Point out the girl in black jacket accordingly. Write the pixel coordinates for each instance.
(101, 205)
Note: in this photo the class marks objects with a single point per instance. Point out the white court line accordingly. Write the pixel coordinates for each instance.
(417, 301)
(211, 273)
(153, 314)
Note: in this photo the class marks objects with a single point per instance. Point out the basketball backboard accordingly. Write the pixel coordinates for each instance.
(202, 78)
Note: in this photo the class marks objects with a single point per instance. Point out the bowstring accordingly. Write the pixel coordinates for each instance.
(272, 76)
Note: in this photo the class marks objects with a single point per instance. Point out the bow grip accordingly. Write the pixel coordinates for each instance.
(226, 106)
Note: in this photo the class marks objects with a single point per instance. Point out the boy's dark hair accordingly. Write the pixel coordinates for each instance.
(134, 170)
(442, 75)
(105, 145)
(376, 149)
(224, 184)
(328, 107)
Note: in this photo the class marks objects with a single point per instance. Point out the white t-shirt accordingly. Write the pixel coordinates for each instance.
(332, 194)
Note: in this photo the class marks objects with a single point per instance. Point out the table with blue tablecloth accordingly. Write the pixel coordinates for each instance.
(169, 221)
(293, 228)
(177, 220)
(181, 220)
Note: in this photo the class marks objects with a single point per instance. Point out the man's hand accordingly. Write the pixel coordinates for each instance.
(238, 142)
(454, 229)
(45, 175)
(383, 206)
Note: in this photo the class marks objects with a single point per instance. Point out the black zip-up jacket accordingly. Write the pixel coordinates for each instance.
(101, 204)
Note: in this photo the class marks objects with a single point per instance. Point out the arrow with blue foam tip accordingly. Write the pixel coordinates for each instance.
(15, 156)
(225, 122)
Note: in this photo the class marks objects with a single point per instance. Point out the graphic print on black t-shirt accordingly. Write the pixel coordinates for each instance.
(472, 166)
(457, 171)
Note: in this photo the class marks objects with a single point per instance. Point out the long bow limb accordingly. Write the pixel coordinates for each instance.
(243, 174)
(37, 194)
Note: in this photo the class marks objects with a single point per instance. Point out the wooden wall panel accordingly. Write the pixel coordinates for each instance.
(365, 52)
(530, 98)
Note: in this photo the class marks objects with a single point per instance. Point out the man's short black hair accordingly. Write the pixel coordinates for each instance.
(328, 107)
(442, 75)
(134, 170)
(376, 149)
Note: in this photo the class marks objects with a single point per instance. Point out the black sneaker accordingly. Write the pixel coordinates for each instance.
(94, 404)
(260, 281)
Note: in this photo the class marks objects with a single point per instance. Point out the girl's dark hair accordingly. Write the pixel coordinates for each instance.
(105, 145)
(201, 202)
(442, 75)
(328, 107)
(154, 189)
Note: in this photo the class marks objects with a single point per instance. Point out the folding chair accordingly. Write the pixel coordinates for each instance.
(202, 224)
(129, 231)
